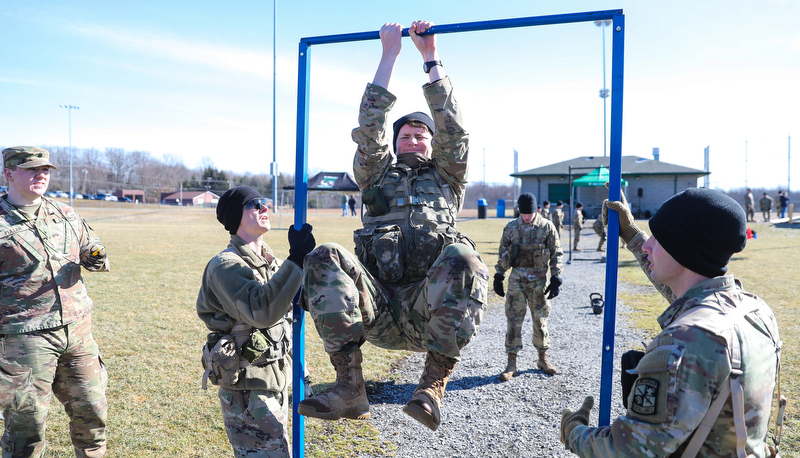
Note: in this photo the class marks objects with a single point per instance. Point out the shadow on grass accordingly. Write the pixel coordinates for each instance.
(393, 393)
(786, 225)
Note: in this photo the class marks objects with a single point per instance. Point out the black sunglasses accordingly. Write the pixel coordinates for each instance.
(258, 204)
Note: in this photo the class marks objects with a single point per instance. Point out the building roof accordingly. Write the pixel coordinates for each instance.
(631, 165)
(186, 195)
(330, 181)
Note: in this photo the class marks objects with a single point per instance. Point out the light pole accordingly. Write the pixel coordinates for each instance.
(274, 165)
(604, 92)
(69, 115)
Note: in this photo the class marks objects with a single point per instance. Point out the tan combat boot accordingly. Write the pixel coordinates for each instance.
(346, 398)
(511, 368)
(544, 364)
(426, 401)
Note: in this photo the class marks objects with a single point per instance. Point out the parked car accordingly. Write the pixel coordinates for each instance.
(109, 197)
(126, 199)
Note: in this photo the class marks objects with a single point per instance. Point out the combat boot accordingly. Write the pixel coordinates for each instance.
(426, 401)
(544, 364)
(347, 398)
(511, 368)
(576, 248)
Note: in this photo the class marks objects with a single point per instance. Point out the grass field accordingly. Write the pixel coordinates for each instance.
(150, 336)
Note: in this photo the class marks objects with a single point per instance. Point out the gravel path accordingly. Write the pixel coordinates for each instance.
(484, 417)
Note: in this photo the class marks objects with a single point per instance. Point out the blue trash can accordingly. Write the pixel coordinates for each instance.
(501, 208)
(482, 204)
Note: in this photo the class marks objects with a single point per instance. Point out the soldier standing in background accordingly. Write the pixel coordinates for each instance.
(417, 283)
(577, 224)
(245, 301)
(750, 206)
(546, 211)
(558, 217)
(530, 245)
(766, 206)
(704, 385)
(600, 229)
(46, 342)
(344, 204)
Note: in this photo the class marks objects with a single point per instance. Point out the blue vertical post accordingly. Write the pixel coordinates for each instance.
(612, 255)
(300, 206)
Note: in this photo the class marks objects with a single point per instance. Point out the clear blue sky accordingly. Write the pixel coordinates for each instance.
(194, 79)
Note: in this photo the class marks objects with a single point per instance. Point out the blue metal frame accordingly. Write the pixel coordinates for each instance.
(301, 183)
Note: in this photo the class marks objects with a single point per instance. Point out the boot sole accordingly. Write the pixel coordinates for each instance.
(352, 413)
(506, 376)
(422, 416)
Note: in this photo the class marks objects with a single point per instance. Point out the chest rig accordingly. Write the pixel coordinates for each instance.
(411, 216)
(529, 249)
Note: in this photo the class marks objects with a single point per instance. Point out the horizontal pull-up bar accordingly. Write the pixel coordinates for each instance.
(473, 26)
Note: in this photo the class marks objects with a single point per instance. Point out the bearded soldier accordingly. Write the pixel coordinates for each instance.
(415, 283)
(704, 385)
(529, 246)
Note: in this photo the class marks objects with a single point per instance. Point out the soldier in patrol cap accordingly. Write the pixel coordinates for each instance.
(530, 245)
(245, 300)
(704, 385)
(415, 282)
(46, 343)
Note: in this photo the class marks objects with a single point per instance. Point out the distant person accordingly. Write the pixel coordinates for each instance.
(577, 225)
(766, 206)
(416, 283)
(558, 217)
(344, 204)
(352, 203)
(46, 342)
(546, 211)
(750, 206)
(529, 246)
(245, 301)
(600, 229)
(704, 386)
(784, 202)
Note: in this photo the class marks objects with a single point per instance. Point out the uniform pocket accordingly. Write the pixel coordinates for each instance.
(387, 246)
(16, 390)
(653, 398)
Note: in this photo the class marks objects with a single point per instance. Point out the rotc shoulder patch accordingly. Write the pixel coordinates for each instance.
(645, 396)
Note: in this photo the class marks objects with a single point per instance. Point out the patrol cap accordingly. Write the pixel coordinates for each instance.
(701, 229)
(26, 157)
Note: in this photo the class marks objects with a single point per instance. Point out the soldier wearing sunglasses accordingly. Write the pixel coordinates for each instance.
(245, 301)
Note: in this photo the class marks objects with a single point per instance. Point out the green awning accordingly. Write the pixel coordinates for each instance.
(597, 177)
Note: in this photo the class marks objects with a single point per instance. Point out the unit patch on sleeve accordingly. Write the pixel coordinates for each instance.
(645, 396)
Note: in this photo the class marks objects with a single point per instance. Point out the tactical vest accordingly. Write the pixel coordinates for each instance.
(530, 252)
(411, 216)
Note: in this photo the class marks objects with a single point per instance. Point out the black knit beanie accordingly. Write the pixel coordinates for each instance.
(701, 229)
(231, 204)
(415, 116)
(526, 203)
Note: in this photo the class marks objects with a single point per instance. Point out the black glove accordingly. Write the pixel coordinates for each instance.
(552, 289)
(570, 419)
(300, 243)
(498, 284)
(94, 258)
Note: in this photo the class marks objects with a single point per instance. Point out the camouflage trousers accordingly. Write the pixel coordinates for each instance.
(521, 295)
(602, 233)
(438, 314)
(256, 422)
(65, 362)
(577, 238)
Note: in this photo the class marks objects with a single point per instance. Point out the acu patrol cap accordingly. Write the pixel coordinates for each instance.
(26, 157)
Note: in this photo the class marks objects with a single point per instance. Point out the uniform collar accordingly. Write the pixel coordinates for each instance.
(694, 297)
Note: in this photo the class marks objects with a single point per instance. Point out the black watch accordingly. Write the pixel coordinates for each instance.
(427, 66)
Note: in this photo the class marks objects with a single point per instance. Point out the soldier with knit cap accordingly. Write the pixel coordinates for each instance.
(530, 245)
(704, 385)
(245, 302)
(415, 282)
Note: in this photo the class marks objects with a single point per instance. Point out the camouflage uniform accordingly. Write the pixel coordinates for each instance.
(242, 291)
(528, 277)
(577, 225)
(429, 292)
(600, 229)
(546, 214)
(766, 206)
(46, 343)
(750, 206)
(682, 371)
(558, 220)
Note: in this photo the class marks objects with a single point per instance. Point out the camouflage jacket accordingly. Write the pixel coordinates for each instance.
(749, 200)
(541, 235)
(422, 204)
(578, 219)
(40, 267)
(765, 203)
(558, 218)
(682, 372)
(240, 287)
